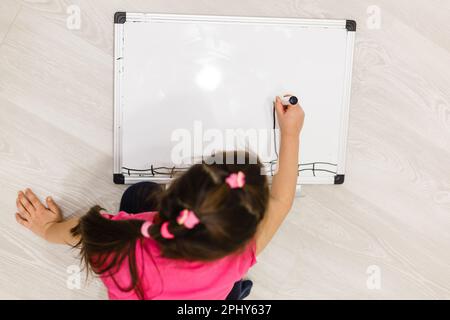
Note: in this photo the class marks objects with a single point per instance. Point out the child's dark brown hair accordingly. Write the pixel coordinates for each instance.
(228, 219)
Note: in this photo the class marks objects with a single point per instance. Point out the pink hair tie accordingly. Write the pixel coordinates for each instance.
(144, 229)
(188, 219)
(236, 180)
(165, 233)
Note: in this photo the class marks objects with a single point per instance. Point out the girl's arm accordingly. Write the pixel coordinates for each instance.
(59, 232)
(284, 182)
(45, 221)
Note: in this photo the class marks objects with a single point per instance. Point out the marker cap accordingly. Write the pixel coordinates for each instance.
(289, 100)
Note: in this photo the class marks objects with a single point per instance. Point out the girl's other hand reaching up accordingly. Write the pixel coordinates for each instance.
(34, 215)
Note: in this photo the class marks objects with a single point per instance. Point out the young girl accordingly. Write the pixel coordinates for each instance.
(195, 240)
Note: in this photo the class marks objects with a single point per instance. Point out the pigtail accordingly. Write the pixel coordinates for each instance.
(105, 244)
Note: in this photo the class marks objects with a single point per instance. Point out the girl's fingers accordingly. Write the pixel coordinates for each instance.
(33, 199)
(20, 206)
(52, 206)
(23, 206)
(279, 108)
(21, 220)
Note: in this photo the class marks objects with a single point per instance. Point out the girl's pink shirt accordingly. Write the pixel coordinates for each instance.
(169, 279)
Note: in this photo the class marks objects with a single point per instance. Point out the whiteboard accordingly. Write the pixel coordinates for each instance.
(207, 83)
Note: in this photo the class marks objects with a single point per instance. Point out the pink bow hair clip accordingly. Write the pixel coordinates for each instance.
(188, 219)
(236, 180)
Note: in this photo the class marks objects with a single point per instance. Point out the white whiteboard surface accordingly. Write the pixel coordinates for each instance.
(172, 71)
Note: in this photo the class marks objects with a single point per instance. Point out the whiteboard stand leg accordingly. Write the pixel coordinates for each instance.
(298, 191)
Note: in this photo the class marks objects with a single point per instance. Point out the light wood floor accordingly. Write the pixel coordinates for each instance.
(393, 211)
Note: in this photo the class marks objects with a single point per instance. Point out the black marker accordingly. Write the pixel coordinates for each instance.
(289, 100)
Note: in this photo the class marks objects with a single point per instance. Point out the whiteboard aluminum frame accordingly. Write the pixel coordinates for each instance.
(120, 18)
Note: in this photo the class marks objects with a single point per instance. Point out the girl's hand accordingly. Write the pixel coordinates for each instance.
(290, 119)
(33, 215)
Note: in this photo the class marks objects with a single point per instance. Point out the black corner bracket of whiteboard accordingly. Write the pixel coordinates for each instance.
(350, 25)
(120, 17)
(339, 179)
(119, 178)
